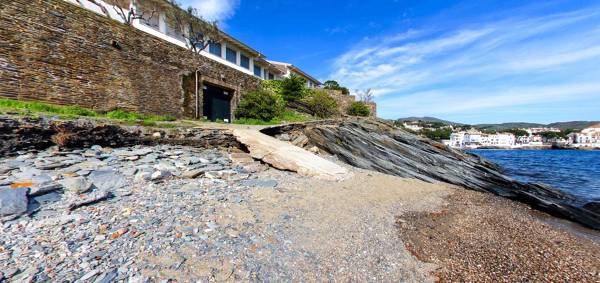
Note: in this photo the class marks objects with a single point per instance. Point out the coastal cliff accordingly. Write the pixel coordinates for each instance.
(381, 147)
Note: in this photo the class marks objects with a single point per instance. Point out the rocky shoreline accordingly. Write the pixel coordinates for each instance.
(380, 147)
(92, 213)
(189, 204)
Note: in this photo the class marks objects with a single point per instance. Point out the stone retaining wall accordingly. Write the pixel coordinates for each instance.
(56, 52)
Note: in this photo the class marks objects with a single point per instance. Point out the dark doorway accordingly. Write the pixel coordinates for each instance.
(216, 103)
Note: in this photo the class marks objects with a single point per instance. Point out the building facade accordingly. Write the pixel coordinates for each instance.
(70, 52)
(476, 139)
(287, 69)
(588, 137)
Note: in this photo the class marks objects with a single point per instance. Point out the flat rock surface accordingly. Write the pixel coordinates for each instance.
(285, 156)
(13, 201)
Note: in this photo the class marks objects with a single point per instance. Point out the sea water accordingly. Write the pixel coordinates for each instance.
(573, 171)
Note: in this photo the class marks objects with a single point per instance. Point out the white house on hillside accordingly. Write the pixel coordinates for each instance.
(475, 139)
(588, 137)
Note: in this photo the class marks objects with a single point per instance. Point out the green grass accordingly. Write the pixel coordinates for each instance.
(30, 108)
(288, 116)
(132, 116)
(46, 108)
(71, 112)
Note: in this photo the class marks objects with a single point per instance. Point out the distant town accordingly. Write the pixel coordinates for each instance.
(472, 137)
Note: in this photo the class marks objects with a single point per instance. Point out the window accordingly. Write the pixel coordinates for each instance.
(231, 55)
(174, 32)
(245, 61)
(152, 22)
(271, 76)
(215, 49)
(257, 71)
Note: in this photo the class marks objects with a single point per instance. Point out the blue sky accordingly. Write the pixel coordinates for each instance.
(467, 61)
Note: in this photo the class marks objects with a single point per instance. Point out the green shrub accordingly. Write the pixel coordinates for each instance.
(273, 85)
(321, 104)
(359, 108)
(293, 88)
(260, 104)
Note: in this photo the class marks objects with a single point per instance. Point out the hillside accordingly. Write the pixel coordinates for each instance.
(573, 124)
(506, 126)
(428, 119)
(509, 125)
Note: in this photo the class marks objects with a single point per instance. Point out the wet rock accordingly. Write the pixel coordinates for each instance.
(13, 201)
(77, 185)
(593, 206)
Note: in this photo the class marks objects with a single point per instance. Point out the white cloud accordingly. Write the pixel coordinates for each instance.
(508, 62)
(451, 101)
(214, 10)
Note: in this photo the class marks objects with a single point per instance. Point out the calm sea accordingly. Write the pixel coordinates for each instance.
(573, 171)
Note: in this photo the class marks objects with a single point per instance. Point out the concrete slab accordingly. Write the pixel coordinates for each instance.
(285, 156)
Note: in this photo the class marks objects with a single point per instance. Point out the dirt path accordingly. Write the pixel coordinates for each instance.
(313, 230)
(345, 231)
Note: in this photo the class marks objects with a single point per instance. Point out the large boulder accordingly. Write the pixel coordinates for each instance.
(13, 201)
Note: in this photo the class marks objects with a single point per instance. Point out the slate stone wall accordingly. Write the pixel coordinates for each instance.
(57, 52)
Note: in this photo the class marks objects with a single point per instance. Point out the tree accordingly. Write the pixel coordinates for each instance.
(293, 88)
(518, 132)
(366, 95)
(345, 90)
(126, 11)
(552, 135)
(437, 134)
(198, 32)
(331, 84)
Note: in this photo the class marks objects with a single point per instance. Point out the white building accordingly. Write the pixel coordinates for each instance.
(457, 140)
(288, 69)
(230, 51)
(533, 131)
(475, 139)
(412, 126)
(588, 137)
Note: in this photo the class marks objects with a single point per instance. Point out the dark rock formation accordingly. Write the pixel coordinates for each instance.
(381, 147)
(25, 134)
